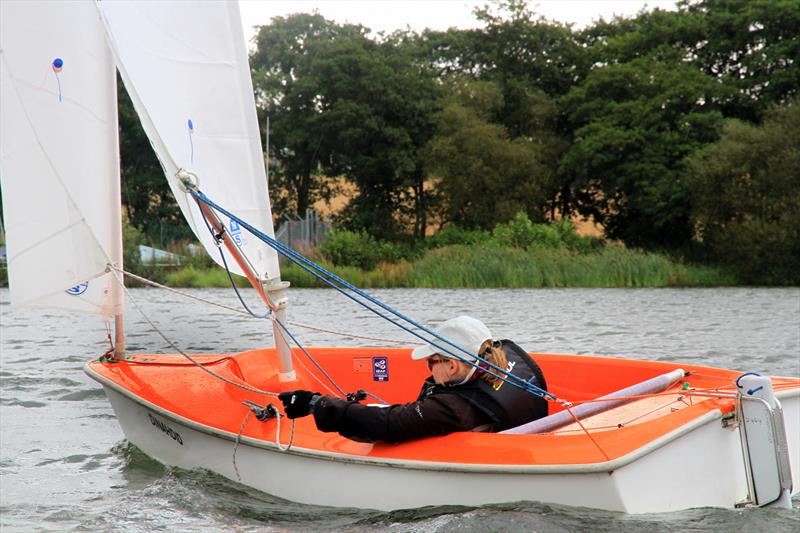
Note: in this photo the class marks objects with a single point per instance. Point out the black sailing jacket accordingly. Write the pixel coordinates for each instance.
(440, 410)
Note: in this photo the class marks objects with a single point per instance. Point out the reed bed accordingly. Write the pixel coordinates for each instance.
(472, 266)
(461, 266)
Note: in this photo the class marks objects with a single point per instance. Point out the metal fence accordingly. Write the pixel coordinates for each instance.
(302, 234)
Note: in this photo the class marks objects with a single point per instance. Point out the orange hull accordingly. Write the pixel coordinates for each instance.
(174, 385)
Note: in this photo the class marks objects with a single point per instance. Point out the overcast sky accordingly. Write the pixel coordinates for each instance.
(390, 15)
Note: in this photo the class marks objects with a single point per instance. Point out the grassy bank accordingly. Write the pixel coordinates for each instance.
(517, 254)
(480, 267)
(461, 266)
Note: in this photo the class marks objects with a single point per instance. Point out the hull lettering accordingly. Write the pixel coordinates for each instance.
(174, 435)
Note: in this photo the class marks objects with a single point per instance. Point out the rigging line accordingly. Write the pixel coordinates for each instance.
(577, 431)
(236, 444)
(308, 265)
(174, 347)
(305, 263)
(384, 402)
(245, 313)
(275, 319)
(679, 399)
(353, 335)
(278, 435)
(502, 377)
(305, 367)
(297, 343)
(270, 304)
(277, 439)
(689, 392)
(569, 410)
(307, 354)
(222, 253)
(170, 289)
(156, 362)
(239, 295)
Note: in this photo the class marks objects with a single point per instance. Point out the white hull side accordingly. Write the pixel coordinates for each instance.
(791, 419)
(701, 468)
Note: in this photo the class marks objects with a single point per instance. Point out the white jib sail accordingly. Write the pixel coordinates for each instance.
(59, 156)
(186, 69)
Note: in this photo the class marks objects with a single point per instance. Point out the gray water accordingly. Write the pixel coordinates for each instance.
(65, 465)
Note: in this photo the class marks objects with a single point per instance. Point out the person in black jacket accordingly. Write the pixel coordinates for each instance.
(456, 397)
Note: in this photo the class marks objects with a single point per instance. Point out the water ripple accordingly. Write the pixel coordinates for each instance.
(70, 469)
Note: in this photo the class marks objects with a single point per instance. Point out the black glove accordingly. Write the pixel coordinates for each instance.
(295, 402)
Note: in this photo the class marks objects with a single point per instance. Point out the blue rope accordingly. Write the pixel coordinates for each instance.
(321, 273)
(746, 374)
(308, 265)
(230, 276)
(281, 324)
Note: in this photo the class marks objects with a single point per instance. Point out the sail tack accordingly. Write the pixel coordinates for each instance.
(185, 66)
(59, 162)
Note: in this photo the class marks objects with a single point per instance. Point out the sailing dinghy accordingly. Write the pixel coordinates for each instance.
(623, 435)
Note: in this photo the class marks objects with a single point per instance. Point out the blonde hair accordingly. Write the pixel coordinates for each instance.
(497, 357)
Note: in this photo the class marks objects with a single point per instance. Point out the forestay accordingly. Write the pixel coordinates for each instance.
(59, 159)
(186, 69)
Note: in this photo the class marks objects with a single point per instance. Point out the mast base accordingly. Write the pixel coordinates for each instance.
(285, 377)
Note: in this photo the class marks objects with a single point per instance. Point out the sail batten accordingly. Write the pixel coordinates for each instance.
(186, 69)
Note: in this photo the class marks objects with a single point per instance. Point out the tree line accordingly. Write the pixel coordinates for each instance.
(678, 131)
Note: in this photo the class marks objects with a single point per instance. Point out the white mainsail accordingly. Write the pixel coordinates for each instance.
(186, 69)
(59, 156)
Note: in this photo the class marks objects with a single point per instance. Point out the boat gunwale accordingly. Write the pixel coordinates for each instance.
(580, 468)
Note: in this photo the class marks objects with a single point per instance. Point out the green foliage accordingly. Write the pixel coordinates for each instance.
(385, 275)
(203, 278)
(520, 232)
(350, 105)
(635, 124)
(380, 112)
(456, 235)
(746, 191)
(484, 176)
(467, 128)
(147, 200)
(578, 243)
(463, 266)
(479, 266)
(288, 91)
(744, 44)
(131, 239)
(359, 249)
(516, 48)
(752, 46)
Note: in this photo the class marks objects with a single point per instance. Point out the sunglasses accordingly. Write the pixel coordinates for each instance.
(433, 362)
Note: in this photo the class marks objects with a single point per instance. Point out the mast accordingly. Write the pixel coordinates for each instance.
(272, 291)
(278, 290)
(116, 245)
(197, 133)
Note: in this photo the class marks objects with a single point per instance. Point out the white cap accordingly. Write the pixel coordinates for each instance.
(464, 331)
